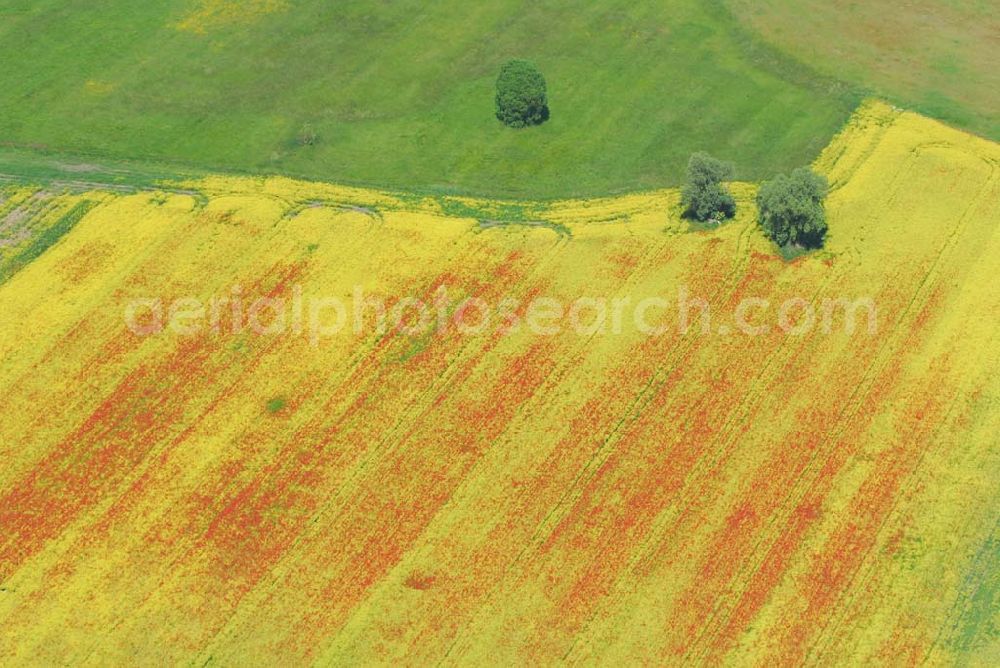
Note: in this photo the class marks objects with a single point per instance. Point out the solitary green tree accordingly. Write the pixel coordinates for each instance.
(704, 197)
(791, 209)
(522, 99)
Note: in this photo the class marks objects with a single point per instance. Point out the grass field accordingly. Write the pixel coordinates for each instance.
(512, 498)
(940, 58)
(400, 94)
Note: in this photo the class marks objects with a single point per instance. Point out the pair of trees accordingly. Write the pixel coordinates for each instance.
(790, 206)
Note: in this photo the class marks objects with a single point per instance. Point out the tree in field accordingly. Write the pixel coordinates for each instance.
(522, 99)
(704, 197)
(791, 209)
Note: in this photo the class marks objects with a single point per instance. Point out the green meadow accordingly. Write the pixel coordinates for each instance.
(400, 95)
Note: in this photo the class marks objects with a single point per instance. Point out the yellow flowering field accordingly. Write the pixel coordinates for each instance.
(255, 421)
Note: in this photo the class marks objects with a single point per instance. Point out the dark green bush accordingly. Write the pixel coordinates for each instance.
(704, 197)
(791, 209)
(521, 95)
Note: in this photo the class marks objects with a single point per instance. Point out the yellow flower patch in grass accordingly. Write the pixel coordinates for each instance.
(210, 15)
